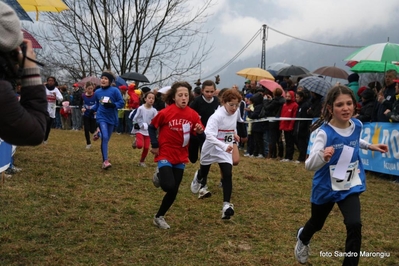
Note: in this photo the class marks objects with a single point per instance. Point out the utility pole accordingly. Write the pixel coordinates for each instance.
(263, 57)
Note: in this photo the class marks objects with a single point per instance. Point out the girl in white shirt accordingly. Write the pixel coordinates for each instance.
(218, 148)
(145, 113)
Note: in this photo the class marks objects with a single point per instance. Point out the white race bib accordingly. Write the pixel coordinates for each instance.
(351, 179)
(226, 136)
(186, 134)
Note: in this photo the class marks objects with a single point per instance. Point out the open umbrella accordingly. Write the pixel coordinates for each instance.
(332, 71)
(351, 63)
(35, 43)
(292, 71)
(120, 81)
(270, 85)
(255, 74)
(21, 13)
(163, 90)
(277, 66)
(385, 52)
(316, 84)
(135, 76)
(43, 5)
(368, 66)
(92, 79)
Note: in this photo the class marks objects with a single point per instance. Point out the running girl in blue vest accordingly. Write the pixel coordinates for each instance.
(339, 175)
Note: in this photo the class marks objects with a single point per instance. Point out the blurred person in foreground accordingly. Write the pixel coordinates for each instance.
(21, 122)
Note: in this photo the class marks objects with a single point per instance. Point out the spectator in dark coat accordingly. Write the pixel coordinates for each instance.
(393, 113)
(368, 100)
(386, 97)
(301, 127)
(273, 109)
(257, 127)
(22, 122)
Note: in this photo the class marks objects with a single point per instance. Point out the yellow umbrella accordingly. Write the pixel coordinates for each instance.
(255, 74)
(43, 5)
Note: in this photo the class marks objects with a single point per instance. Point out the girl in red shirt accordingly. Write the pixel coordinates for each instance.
(175, 123)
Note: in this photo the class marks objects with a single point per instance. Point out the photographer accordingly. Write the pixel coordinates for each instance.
(21, 122)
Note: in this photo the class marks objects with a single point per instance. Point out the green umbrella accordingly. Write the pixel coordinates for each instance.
(368, 66)
(385, 52)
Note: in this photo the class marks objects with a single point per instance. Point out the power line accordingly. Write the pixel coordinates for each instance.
(236, 56)
(321, 43)
(285, 34)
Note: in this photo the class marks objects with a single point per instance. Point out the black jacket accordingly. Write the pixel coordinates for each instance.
(24, 122)
(367, 110)
(301, 127)
(257, 101)
(389, 95)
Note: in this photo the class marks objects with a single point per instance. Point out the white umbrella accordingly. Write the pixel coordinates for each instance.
(277, 66)
(163, 90)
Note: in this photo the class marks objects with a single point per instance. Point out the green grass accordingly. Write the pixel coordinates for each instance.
(63, 209)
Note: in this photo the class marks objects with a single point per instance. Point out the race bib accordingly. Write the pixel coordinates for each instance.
(186, 134)
(351, 179)
(227, 136)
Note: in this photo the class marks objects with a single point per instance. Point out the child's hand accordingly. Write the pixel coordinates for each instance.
(236, 138)
(379, 147)
(198, 128)
(229, 148)
(328, 153)
(155, 151)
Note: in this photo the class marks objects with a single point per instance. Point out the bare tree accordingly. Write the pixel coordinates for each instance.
(160, 38)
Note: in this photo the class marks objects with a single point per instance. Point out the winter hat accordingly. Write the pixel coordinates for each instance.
(123, 87)
(353, 77)
(145, 89)
(11, 35)
(197, 90)
(361, 90)
(110, 77)
(248, 95)
(368, 94)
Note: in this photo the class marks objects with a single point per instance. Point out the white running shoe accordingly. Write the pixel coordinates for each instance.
(142, 164)
(160, 222)
(88, 146)
(227, 211)
(155, 178)
(204, 193)
(195, 184)
(301, 250)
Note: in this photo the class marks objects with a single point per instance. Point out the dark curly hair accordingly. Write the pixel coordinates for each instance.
(169, 96)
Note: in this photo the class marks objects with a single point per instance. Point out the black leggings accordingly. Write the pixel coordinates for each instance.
(194, 147)
(90, 126)
(350, 209)
(227, 182)
(169, 179)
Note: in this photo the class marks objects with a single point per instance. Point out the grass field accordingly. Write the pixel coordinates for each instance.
(63, 209)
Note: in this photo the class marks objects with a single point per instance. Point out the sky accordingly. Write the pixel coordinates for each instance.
(346, 22)
(234, 23)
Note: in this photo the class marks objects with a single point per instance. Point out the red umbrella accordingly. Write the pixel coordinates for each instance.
(92, 79)
(35, 43)
(270, 85)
